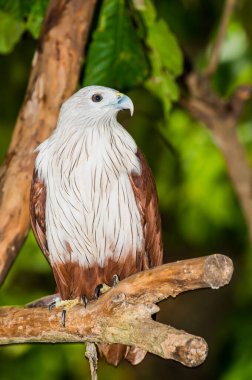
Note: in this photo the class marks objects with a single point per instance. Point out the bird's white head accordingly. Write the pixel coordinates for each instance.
(94, 103)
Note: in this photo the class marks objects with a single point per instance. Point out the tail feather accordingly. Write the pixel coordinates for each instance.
(135, 355)
(115, 353)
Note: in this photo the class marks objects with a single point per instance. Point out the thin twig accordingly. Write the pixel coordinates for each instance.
(91, 355)
(217, 45)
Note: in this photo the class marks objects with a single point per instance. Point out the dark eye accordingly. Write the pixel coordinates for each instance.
(96, 98)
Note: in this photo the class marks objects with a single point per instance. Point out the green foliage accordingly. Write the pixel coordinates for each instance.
(17, 16)
(202, 177)
(240, 358)
(115, 57)
(165, 56)
(235, 61)
(36, 16)
(11, 30)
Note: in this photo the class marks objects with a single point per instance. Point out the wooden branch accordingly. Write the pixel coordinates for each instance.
(123, 314)
(216, 50)
(54, 76)
(221, 118)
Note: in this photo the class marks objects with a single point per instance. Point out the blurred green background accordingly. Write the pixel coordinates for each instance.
(140, 52)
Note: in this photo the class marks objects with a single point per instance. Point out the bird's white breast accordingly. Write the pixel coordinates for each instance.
(91, 212)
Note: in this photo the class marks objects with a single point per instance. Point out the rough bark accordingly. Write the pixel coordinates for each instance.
(123, 314)
(54, 76)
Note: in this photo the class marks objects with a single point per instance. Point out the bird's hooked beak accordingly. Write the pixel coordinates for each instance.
(124, 103)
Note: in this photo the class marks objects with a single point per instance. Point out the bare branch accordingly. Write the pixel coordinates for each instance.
(54, 76)
(123, 314)
(216, 50)
(91, 355)
(221, 118)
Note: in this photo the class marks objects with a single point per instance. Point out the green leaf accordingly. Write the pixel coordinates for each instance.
(11, 30)
(115, 57)
(16, 16)
(165, 56)
(36, 17)
(162, 40)
(12, 7)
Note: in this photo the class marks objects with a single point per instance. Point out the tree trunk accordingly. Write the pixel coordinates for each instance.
(54, 75)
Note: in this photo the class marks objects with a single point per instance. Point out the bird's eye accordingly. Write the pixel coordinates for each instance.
(96, 98)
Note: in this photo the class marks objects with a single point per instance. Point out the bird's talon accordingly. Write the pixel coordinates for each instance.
(63, 318)
(51, 306)
(97, 291)
(115, 280)
(103, 288)
(84, 300)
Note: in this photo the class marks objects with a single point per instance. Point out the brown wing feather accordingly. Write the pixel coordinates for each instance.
(146, 196)
(37, 212)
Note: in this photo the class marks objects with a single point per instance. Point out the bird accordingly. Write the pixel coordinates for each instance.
(93, 202)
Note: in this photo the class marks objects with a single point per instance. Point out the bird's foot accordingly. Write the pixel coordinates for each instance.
(103, 288)
(66, 304)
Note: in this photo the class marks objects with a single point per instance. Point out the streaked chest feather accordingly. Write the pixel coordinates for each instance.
(91, 212)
